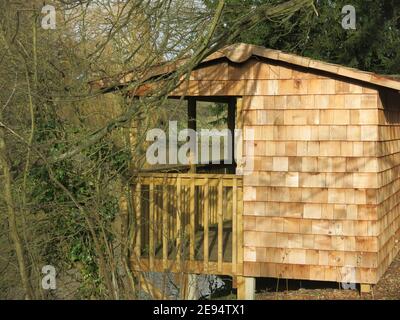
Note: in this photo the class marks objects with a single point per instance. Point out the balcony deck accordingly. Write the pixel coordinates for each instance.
(189, 223)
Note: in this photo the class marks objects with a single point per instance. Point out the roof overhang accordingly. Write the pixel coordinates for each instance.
(241, 52)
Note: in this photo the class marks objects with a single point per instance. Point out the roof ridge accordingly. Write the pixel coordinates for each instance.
(241, 52)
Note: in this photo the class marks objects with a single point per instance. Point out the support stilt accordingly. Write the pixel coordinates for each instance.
(246, 288)
(192, 288)
(365, 288)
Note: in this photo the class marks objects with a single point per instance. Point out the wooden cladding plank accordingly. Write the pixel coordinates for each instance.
(283, 240)
(288, 87)
(308, 272)
(210, 88)
(239, 113)
(311, 257)
(212, 72)
(220, 224)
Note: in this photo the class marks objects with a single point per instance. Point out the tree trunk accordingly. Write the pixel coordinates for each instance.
(12, 219)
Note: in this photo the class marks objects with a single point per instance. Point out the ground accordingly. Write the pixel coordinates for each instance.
(388, 288)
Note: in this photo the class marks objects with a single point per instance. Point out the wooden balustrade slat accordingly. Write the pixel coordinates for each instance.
(239, 220)
(234, 226)
(220, 225)
(196, 206)
(205, 226)
(165, 227)
(138, 224)
(192, 221)
(178, 222)
(151, 225)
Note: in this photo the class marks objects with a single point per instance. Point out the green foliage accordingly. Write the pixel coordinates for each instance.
(87, 178)
(373, 46)
(220, 114)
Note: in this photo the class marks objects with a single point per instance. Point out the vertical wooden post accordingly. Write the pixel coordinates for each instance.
(205, 225)
(138, 224)
(151, 224)
(234, 226)
(231, 128)
(192, 125)
(165, 230)
(246, 288)
(229, 202)
(170, 215)
(159, 214)
(238, 153)
(365, 288)
(220, 224)
(188, 287)
(192, 290)
(239, 233)
(212, 205)
(178, 223)
(192, 221)
(239, 193)
(239, 115)
(234, 282)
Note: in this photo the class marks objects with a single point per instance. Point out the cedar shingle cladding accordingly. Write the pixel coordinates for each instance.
(324, 191)
(388, 197)
(311, 204)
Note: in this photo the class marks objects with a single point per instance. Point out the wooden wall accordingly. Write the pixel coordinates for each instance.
(388, 178)
(322, 201)
(311, 204)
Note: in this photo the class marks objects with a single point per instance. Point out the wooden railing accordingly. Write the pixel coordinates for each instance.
(189, 222)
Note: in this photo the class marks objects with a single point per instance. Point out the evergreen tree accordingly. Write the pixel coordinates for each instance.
(373, 46)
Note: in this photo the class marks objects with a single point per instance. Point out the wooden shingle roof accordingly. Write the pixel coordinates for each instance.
(241, 52)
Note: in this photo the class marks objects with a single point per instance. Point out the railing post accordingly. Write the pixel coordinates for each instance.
(178, 223)
(192, 125)
(164, 232)
(138, 224)
(220, 224)
(151, 224)
(246, 288)
(234, 225)
(205, 225)
(192, 218)
(239, 228)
